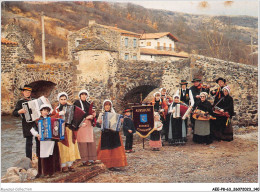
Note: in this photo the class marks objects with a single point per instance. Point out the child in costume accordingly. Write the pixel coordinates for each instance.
(129, 130)
(48, 152)
(155, 137)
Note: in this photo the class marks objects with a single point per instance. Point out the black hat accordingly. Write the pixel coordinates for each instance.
(195, 79)
(184, 82)
(220, 78)
(26, 87)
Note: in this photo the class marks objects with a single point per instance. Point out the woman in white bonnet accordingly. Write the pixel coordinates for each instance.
(177, 133)
(85, 137)
(68, 147)
(222, 126)
(202, 127)
(110, 148)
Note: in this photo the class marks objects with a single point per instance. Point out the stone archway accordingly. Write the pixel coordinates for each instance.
(42, 88)
(136, 95)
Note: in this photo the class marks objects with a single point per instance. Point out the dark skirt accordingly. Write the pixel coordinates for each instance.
(222, 129)
(50, 165)
(202, 139)
(155, 136)
(165, 129)
(227, 133)
(177, 133)
(110, 139)
(113, 157)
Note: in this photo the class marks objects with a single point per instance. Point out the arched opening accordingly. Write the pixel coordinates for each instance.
(137, 95)
(42, 88)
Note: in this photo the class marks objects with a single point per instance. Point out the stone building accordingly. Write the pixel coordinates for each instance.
(23, 38)
(159, 47)
(125, 42)
(101, 71)
(160, 41)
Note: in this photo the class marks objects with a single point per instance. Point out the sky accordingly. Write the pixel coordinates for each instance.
(237, 7)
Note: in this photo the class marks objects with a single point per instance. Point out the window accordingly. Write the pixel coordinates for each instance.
(170, 47)
(134, 57)
(126, 56)
(148, 43)
(164, 46)
(158, 45)
(126, 42)
(135, 43)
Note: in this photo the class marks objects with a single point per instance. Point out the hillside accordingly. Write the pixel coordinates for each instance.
(222, 37)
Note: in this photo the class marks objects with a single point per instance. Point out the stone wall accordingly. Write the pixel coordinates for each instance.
(9, 58)
(107, 77)
(23, 38)
(134, 74)
(242, 79)
(95, 72)
(62, 75)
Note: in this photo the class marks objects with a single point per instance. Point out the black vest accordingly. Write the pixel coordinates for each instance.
(186, 97)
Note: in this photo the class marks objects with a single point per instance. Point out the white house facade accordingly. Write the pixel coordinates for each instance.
(160, 41)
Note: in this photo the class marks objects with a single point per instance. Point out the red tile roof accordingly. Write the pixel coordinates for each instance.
(122, 31)
(6, 42)
(145, 51)
(158, 35)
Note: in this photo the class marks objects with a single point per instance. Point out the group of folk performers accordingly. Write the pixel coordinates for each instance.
(209, 122)
(60, 155)
(169, 123)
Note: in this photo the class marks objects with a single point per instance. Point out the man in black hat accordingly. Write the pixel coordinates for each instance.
(195, 90)
(186, 94)
(19, 111)
(218, 93)
(186, 97)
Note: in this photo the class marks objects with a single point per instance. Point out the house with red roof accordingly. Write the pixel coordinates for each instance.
(159, 46)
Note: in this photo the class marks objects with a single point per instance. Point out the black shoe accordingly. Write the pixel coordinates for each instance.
(111, 169)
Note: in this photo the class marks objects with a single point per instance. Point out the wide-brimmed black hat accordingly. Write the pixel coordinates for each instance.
(26, 87)
(220, 78)
(183, 82)
(195, 79)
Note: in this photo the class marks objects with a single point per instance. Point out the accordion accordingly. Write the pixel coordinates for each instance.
(51, 128)
(74, 116)
(111, 121)
(33, 108)
(179, 110)
(69, 114)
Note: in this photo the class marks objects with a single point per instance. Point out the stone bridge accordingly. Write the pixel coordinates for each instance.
(128, 81)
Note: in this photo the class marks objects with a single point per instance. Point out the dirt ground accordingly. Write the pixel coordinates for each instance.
(219, 162)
